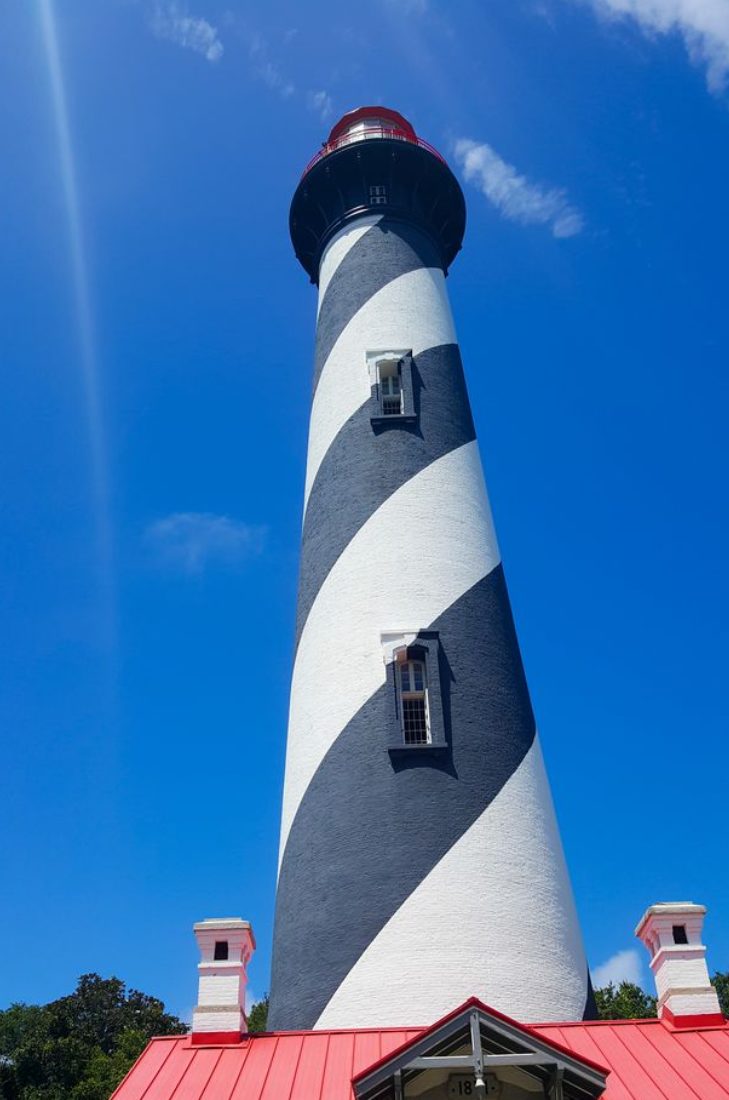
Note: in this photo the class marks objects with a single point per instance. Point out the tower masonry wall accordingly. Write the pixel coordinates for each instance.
(408, 880)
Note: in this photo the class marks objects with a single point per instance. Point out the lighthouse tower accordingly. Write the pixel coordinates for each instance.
(420, 860)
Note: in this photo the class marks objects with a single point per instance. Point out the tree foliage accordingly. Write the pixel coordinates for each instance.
(720, 982)
(258, 1016)
(80, 1046)
(629, 1002)
(624, 1002)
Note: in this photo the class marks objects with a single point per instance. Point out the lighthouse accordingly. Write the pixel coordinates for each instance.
(420, 860)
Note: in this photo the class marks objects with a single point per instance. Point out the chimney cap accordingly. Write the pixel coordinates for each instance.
(670, 909)
(221, 922)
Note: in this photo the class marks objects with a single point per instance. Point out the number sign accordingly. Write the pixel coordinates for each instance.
(461, 1085)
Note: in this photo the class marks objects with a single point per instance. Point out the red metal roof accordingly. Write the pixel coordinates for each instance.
(647, 1059)
(289, 1065)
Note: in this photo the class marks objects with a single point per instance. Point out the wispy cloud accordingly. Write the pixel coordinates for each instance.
(267, 64)
(703, 25)
(192, 541)
(321, 104)
(267, 70)
(623, 966)
(513, 195)
(171, 22)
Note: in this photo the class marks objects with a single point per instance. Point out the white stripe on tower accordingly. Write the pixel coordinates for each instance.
(409, 877)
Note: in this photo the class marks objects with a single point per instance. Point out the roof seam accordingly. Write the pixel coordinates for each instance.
(271, 1060)
(713, 1048)
(324, 1070)
(296, 1067)
(706, 1070)
(622, 1080)
(161, 1066)
(246, 1051)
(212, 1071)
(647, 1072)
(184, 1074)
(675, 1068)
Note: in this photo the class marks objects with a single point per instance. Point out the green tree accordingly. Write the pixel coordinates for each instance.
(720, 983)
(79, 1046)
(258, 1016)
(626, 1002)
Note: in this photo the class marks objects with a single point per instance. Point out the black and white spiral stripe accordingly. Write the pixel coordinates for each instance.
(407, 886)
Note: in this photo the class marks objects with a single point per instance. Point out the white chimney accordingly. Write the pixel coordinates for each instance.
(671, 931)
(226, 946)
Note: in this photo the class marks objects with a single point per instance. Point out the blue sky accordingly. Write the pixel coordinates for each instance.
(156, 354)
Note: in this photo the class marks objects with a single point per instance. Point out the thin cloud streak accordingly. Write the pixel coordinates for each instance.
(84, 314)
(703, 25)
(191, 32)
(265, 66)
(190, 542)
(266, 70)
(513, 195)
(321, 104)
(407, 7)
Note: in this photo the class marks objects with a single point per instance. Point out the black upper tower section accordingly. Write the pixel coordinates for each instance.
(374, 163)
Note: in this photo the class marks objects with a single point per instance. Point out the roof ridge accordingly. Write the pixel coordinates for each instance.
(330, 1031)
(598, 1023)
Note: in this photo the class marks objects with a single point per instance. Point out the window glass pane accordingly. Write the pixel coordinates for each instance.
(418, 676)
(415, 724)
(405, 675)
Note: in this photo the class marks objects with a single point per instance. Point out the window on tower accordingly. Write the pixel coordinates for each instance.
(413, 700)
(413, 704)
(378, 194)
(392, 400)
(220, 953)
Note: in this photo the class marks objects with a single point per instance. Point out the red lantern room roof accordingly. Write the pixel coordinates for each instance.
(382, 114)
(366, 123)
